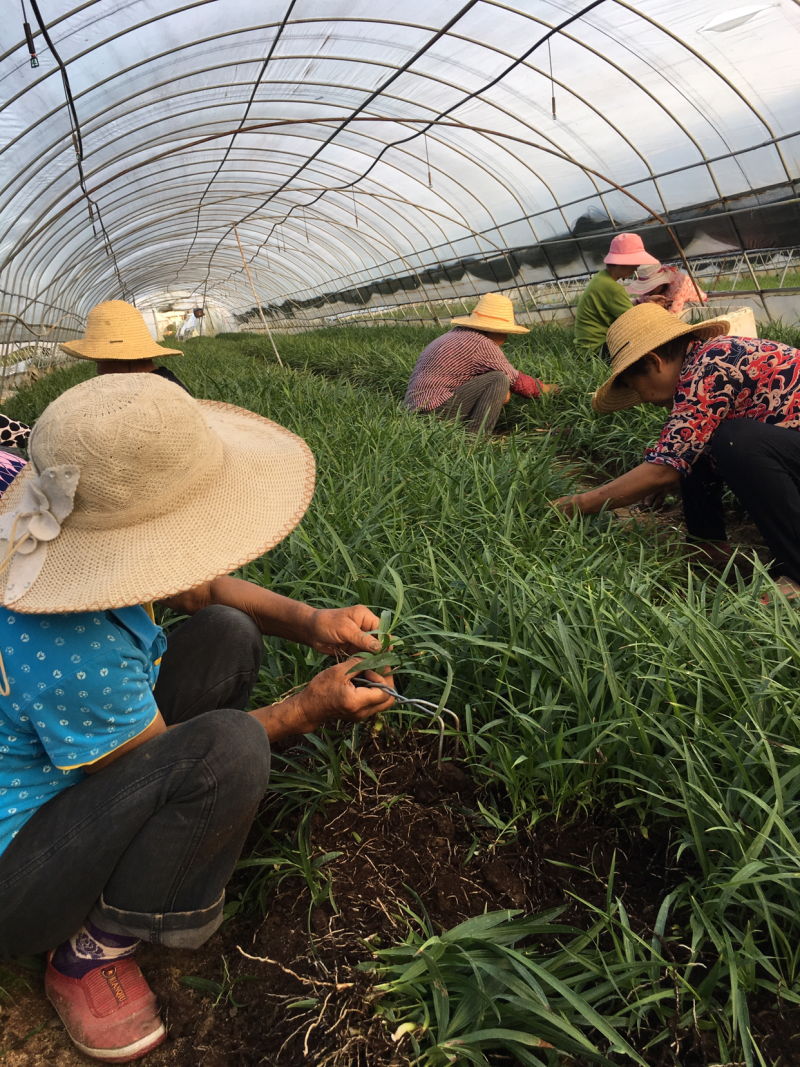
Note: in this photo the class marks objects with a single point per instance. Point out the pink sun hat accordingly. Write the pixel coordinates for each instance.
(627, 249)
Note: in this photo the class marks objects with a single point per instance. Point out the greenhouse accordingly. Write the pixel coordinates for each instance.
(486, 322)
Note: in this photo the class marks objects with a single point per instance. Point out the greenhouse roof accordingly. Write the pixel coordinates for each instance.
(354, 141)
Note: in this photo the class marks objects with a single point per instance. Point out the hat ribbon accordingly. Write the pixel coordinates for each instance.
(47, 501)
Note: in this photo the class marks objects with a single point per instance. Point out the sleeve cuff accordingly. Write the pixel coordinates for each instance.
(527, 386)
(680, 465)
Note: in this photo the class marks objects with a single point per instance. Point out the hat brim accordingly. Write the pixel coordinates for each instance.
(482, 324)
(611, 397)
(82, 349)
(631, 259)
(258, 496)
(640, 287)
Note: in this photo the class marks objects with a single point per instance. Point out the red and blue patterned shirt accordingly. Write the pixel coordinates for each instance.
(456, 358)
(728, 378)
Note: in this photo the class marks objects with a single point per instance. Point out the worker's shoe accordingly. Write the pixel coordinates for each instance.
(110, 1013)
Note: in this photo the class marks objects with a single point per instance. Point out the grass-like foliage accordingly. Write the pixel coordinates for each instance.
(591, 670)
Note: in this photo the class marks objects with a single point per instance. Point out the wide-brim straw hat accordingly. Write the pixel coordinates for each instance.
(116, 330)
(632, 336)
(172, 492)
(494, 313)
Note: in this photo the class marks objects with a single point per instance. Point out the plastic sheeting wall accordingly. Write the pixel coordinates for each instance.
(365, 148)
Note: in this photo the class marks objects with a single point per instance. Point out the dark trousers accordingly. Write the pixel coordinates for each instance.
(761, 464)
(146, 846)
(478, 402)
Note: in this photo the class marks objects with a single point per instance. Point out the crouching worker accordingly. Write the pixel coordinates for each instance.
(734, 420)
(118, 341)
(604, 299)
(463, 375)
(129, 773)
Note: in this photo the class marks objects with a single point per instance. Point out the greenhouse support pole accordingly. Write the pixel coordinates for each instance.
(258, 302)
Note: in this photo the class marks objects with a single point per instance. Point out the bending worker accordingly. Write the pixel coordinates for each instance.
(675, 286)
(604, 299)
(119, 342)
(129, 773)
(734, 415)
(463, 374)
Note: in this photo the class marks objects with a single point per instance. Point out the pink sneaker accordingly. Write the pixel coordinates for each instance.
(110, 1013)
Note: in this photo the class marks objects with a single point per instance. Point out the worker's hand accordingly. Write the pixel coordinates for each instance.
(567, 505)
(329, 696)
(332, 630)
(660, 300)
(508, 397)
(553, 388)
(654, 501)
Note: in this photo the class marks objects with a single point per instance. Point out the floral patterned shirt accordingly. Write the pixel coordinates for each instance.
(728, 378)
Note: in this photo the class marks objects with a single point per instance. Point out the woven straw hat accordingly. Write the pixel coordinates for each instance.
(493, 312)
(116, 330)
(171, 493)
(632, 336)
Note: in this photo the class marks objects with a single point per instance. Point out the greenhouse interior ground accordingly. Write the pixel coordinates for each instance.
(585, 847)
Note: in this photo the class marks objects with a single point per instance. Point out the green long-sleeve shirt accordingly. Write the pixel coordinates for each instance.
(601, 303)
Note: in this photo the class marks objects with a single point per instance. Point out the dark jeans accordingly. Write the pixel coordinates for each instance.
(761, 464)
(146, 846)
(478, 402)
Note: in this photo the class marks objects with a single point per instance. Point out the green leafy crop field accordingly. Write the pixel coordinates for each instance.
(603, 686)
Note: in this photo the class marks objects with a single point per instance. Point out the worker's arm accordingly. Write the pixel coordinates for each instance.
(328, 630)
(638, 483)
(329, 696)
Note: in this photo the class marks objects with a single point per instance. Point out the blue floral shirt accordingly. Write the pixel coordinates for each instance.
(81, 686)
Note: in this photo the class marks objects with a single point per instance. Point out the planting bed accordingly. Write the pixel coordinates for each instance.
(628, 753)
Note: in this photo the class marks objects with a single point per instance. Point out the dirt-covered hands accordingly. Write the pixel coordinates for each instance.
(329, 696)
(332, 630)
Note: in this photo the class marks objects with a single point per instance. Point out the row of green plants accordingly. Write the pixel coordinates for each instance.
(592, 670)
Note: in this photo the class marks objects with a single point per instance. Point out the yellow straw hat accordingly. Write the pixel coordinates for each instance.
(632, 336)
(116, 330)
(493, 312)
(136, 491)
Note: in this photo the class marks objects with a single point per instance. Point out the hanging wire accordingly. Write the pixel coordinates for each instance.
(29, 36)
(355, 208)
(428, 160)
(552, 82)
(77, 142)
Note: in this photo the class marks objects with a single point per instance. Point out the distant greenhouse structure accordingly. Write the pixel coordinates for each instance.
(303, 164)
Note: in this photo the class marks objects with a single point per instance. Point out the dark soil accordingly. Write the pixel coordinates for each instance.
(288, 991)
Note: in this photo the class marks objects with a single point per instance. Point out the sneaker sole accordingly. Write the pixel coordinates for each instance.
(129, 1052)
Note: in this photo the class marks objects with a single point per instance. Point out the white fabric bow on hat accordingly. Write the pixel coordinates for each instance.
(48, 499)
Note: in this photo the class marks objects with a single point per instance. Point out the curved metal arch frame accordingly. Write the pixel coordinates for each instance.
(189, 6)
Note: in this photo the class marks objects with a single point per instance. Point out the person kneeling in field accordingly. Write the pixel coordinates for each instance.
(129, 773)
(463, 374)
(118, 341)
(604, 299)
(735, 413)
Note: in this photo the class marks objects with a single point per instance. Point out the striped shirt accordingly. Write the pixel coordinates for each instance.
(455, 358)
